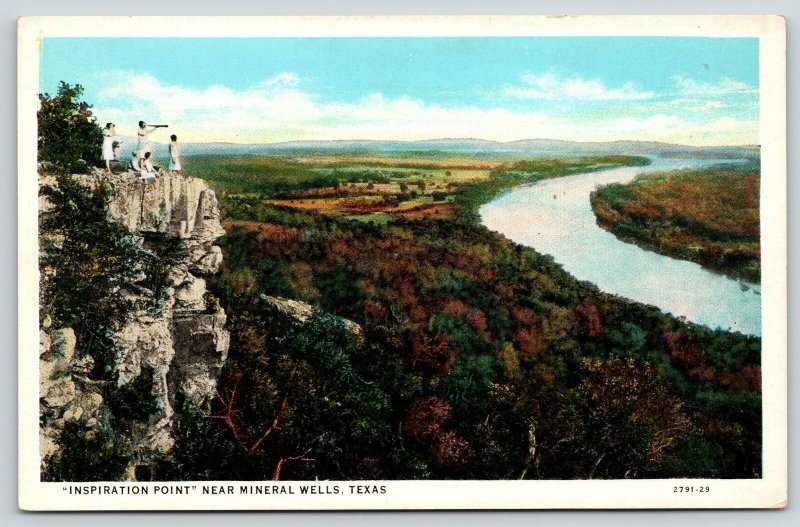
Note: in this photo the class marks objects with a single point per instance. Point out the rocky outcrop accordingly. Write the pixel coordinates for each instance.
(65, 390)
(184, 342)
(170, 204)
(302, 312)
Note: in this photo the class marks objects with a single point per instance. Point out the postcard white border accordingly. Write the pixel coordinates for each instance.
(771, 491)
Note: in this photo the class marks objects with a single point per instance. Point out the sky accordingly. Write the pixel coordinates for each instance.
(694, 91)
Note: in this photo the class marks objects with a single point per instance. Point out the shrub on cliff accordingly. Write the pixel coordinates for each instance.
(88, 259)
(87, 263)
(69, 137)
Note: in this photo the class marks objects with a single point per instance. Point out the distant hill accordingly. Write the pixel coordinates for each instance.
(446, 147)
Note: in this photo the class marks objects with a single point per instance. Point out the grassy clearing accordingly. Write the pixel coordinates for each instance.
(408, 162)
(376, 218)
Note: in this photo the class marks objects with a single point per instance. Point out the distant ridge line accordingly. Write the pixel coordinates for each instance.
(460, 146)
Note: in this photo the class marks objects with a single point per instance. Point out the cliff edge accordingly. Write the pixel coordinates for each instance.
(184, 342)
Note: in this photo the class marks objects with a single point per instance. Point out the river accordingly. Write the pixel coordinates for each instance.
(555, 217)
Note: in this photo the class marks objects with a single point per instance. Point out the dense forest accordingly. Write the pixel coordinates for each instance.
(708, 216)
(478, 358)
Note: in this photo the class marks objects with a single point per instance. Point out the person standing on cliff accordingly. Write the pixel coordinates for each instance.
(174, 154)
(108, 145)
(144, 138)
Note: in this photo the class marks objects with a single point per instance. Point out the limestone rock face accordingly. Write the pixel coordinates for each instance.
(65, 391)
(170, 203)
(201, 348)
(184, 341)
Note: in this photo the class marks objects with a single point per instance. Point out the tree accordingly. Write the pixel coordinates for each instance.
(69, 137)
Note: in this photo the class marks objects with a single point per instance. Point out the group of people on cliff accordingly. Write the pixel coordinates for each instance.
(142, 158)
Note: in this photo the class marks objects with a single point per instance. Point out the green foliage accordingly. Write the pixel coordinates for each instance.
(468, 386)
(501, 322)
(459, 330)
(695, 457)
(709, 216)
(89, 456)
(728, 351)
(88, 259)
(272, 176)
(256, 208)
(163, 253)
(202, 451)
(69, 137)
(341, 293)
(338, 362)
(135, 401)
(323, 387)
(628, 340)
(274, 277)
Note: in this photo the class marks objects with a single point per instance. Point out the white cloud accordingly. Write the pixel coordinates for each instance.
(724, 86)
(275, 97)
(278, 109)
(705, 106)
(673, 129)
(549, 86)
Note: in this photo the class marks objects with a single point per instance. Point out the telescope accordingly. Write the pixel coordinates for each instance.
(159, 125)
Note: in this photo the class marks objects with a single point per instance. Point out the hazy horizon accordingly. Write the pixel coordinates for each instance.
(457, 139)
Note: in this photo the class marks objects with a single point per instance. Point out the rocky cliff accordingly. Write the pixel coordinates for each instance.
(185, 342)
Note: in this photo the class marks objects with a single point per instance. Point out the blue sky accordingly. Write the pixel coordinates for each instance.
(683, 90)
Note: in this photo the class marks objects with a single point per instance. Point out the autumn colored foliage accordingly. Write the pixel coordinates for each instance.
(710, 217)
(476, 358)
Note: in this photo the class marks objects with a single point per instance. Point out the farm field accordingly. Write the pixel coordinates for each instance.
(357, 188)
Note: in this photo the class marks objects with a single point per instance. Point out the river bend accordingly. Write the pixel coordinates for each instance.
(555, 217)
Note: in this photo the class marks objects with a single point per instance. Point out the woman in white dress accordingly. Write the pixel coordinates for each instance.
(174, 154)
(147, 170)
(108, 144)
(143, 135)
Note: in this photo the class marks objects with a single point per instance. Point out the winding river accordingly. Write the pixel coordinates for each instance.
(555, 217)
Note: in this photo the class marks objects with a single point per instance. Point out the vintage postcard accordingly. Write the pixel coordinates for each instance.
(402, 263)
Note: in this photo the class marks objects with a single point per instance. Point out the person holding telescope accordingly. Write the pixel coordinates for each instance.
(144, 137)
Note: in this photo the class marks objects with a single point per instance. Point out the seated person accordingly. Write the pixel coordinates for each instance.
(146, 167)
